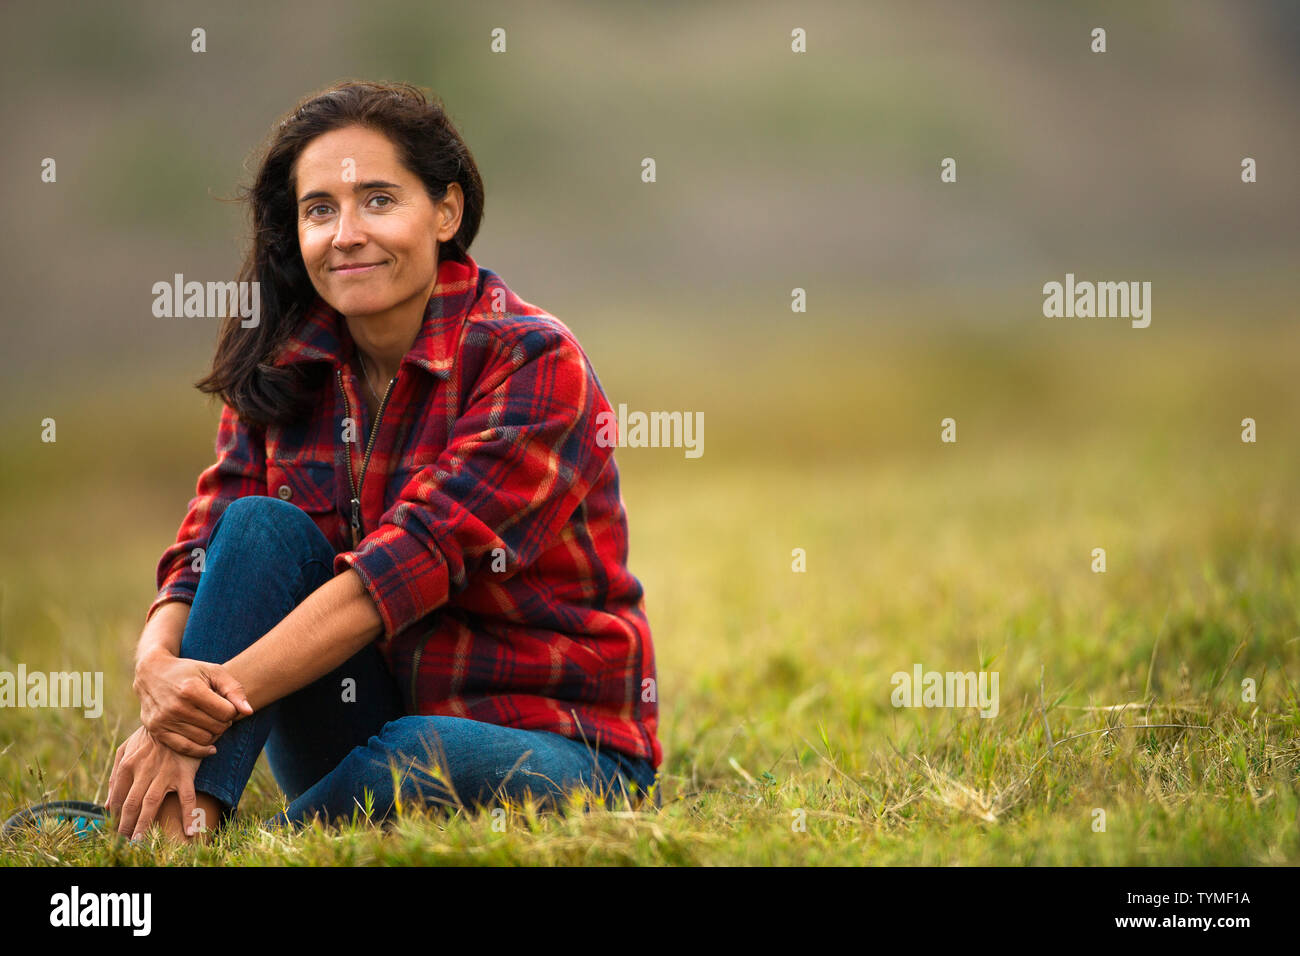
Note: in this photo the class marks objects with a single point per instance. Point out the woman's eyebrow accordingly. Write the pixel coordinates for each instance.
(358, 187)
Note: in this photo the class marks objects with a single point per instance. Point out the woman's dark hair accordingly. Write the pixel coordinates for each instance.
(427, 143)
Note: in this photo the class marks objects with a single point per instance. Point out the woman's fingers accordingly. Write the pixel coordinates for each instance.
(118, 783)
(131, 808)
(198, 694)
(192, 821)
(186, 718)
(193, 732)
(184, 745)
(224, 683)
(149, 805)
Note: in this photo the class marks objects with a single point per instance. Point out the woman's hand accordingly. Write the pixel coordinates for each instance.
(187, 704)
(144, 772)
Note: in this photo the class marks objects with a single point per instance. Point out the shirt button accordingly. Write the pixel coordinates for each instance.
(285, 492)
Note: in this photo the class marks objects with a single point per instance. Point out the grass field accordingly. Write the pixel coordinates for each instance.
(775, 685)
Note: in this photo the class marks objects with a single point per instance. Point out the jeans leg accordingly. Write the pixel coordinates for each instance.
(265, 556)
(452, 761)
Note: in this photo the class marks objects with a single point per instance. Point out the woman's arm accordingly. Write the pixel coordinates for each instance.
(163, 631)
(188, 704)
(182, 701)
(185, 704)
(335, 622)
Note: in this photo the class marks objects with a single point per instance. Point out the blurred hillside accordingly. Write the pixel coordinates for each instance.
(775, 170)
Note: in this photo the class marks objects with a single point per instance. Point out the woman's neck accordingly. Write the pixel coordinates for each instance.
(385, 337)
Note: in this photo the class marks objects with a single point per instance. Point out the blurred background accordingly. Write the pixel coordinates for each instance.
(775, 171)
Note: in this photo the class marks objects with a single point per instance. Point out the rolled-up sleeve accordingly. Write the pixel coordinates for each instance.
(240, 469)
(518, 463)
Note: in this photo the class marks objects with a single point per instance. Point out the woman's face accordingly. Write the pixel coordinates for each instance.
(367, 229)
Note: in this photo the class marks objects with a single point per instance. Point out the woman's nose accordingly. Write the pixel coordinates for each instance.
(349, 233)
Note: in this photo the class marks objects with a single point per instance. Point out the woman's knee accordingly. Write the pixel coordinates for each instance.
(270, 522)
(260, 511)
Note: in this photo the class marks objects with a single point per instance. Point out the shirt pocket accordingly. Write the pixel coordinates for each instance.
(307, 484)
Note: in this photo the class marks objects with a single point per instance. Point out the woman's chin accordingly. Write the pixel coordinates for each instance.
(359, 306)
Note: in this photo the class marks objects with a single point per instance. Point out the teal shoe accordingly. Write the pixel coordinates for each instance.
(86, 817)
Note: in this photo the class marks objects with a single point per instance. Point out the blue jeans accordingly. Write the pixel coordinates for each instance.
(332, 744)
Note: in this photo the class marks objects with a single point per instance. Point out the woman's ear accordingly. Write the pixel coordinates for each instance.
(450, 209)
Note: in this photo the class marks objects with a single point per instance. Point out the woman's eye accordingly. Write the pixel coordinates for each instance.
(315, 210)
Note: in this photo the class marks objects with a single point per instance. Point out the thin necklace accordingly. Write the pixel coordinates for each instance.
(366, 372)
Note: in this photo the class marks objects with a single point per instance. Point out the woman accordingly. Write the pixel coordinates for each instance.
(405, 575)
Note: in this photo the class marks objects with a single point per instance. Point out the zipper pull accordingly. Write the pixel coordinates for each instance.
(356, 521)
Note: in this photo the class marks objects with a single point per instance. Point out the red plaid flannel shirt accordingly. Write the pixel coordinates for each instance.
(492, 532)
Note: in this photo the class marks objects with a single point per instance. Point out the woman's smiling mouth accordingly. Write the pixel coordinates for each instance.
(357, 269)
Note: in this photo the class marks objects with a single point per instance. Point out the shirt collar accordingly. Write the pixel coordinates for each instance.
(324, 337)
